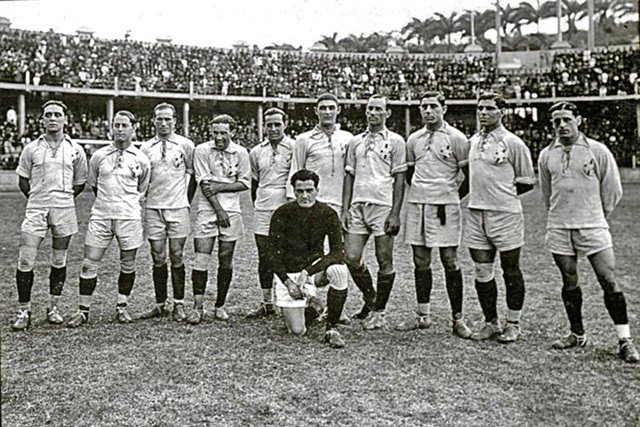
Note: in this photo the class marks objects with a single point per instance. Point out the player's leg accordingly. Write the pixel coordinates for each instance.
(88, 281)
(225, 274)
(57, 277)
(265, 276)
(29, 244)
(160, 277)
(454, 284)
(423, 283)
(294, 320)
(354, 246)
(572, 300)
(386, 277)
(604, 265)
(487, 291)
(126, 280)
(515, 290)
(338, 277)
(203, 246)
(176, 252)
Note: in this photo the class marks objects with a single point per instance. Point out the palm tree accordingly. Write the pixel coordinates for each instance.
(331, 42)
(446, 26)
(573, 10)
(626, 7)
(526, 13)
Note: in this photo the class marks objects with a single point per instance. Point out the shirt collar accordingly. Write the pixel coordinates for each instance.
(231, 148)
(582, 141)
(442, 129)
(384, 133)
(65, 138)
(318, 132)
(113, 148)
(172, 140)
(266, 142)
(496, 133)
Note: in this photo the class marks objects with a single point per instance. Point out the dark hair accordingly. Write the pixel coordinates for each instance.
(439, 96)
(493, 96)
(224, 119)
(273, 111)
(55, 102)
(164, 106)
(127, 114)
(564, 105)
(327, 97)
(305, 175)
(378, 96)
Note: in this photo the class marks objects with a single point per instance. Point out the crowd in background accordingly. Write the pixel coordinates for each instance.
(49, 58)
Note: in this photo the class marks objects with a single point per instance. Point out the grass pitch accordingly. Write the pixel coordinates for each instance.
(241, 373)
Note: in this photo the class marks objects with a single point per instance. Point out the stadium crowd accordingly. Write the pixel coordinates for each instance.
(49, 58)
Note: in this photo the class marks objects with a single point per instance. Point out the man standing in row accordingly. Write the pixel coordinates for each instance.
(270, 165)
(580, 187)
(171, 189)
(372, 196)
(500, 170)
(222, 171)
(119, 176)
(436, 155)
(52, 171)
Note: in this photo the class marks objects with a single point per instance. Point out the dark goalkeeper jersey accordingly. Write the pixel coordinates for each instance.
(297, 234)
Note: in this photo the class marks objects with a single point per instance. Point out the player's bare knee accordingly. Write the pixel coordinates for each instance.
(58, 258)
(484, 272)
(127, 265)
(27, 258)
(338, 275)
(608, 283)
(449, 262)
(298, 329)
(176, 259)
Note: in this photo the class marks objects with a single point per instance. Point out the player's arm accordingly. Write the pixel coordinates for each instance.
(392, 224)
(243, 178)
(544, 178)
(520, 158)
(463, 188)
(25, 186)
(610, 184)
(254, 190)
(347, 195)
(192, 187)
(411, 158)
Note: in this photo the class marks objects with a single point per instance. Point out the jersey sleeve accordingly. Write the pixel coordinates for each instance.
(80, 170)
(244, 168)
(398, 156)
(544, 178)
(610, 183)
(201, 164)
(411, 150)
(520, 158)
(189, 151)
(350, 162)
(26, 162)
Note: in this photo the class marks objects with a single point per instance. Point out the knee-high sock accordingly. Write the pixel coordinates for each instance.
(24, 283)
(224, 281)
(488, 297)
(385, 284)
(617, 307)
(424, 283)
(572, 300)
(454, 290)
(335, 303)
(515, 290)
(160, 276)
(57, 277)
(364, 282)
(177, 282)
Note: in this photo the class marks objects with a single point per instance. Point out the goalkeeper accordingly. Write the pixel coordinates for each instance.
(297, 233)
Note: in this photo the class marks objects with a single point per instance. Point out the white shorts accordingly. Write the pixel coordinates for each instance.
(585, 241)
(368, 218)
(493, 229)
(261, 221)
(61, 221)
(423, 227)
(162, 223)
(283, 299)
(206, 226)
(100, 232)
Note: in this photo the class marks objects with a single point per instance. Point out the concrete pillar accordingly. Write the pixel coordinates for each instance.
(638, 128)
(407, 121)
(259, 122)
(591, 40)
(185, 119)
(110, 111)
(22, 114)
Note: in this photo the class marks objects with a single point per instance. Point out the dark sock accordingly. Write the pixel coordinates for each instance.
(125, 283)
(385, 284)
(24, 282)
(224, 281)
(57, 277)
(424, 283)
(364, 282)
(199, 280)
(87, 286)
(454, 290)
(335, 302)
(160, 277)
(572, 300)
(617, 307)
(488, 297)
(514, 284)
(177, 281)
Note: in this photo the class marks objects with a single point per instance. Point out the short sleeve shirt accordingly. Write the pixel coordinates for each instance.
(52, 173)
(121, 178)
(325, 155)
(580, 184)
(497, 161)
(271, 167)
(171, 168)
(437, 157)
(227, 166)
(373, 159)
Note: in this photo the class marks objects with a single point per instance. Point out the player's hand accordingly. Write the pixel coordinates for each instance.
(345, 219)
(294, 291)
(223, 219)
(206, 189)
(215, 187)
(302, 279)
(392, 225)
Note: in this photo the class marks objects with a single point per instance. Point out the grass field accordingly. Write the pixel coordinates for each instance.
(251, 373)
